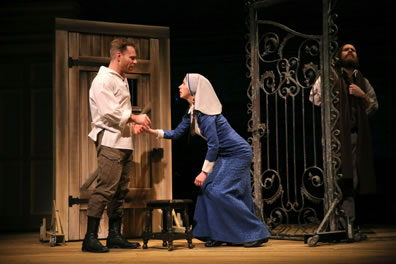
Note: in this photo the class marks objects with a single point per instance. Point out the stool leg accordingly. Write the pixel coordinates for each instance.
(164, 226)
(169, 228)
(148, 227)
(187, 223)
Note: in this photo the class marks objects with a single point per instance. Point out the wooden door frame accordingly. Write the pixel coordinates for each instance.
(62, 107)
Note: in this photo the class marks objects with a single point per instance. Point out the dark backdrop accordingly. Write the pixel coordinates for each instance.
(209, 37)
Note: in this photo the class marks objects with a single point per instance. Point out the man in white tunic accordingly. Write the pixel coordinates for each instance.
(112, 130)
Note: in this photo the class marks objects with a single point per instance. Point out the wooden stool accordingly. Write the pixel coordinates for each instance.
(167, 235)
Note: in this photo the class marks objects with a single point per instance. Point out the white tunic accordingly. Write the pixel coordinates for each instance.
(110, 104)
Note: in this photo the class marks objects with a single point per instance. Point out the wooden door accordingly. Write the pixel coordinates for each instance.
(81, 48)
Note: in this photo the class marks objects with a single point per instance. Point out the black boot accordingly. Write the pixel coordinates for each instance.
(91, 242)
(115, 239)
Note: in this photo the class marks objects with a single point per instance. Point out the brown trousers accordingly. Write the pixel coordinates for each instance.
(111, 189)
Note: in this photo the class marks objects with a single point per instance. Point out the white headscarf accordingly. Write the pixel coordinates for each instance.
(206, 100)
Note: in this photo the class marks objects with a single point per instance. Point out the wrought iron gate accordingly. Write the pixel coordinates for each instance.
(296, 158)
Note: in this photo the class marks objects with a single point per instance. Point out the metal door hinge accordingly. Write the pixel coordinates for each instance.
(77, 200)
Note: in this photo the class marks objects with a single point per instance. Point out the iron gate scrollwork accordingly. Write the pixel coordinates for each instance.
(296, 154)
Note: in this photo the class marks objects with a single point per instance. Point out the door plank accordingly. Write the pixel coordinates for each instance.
(61, 144)
(113, 29)
(74, 137)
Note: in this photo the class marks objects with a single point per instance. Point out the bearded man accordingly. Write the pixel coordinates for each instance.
(357, 102)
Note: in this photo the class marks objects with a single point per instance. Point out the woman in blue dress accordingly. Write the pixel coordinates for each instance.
(224, 211)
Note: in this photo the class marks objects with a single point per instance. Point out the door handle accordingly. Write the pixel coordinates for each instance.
(157, 154)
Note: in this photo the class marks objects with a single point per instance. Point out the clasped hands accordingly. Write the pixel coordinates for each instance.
(356, 90)
(140, 124)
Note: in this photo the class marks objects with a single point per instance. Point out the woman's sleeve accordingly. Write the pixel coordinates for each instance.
(180, 130)
(207, 126)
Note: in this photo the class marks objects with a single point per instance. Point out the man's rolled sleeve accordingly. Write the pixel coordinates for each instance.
(124, 118)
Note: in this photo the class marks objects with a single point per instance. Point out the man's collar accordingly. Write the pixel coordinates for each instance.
(354, 72)
(104, 69)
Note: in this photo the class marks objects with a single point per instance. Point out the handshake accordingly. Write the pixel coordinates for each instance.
(141, 123)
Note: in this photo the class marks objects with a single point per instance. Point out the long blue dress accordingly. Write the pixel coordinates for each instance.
(224, 210)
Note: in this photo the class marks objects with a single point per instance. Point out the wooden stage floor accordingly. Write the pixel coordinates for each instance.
(379, 248)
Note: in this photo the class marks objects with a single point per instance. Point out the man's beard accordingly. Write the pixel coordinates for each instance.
(350, 62)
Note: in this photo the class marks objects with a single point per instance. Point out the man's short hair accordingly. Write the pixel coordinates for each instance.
(120, 44)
